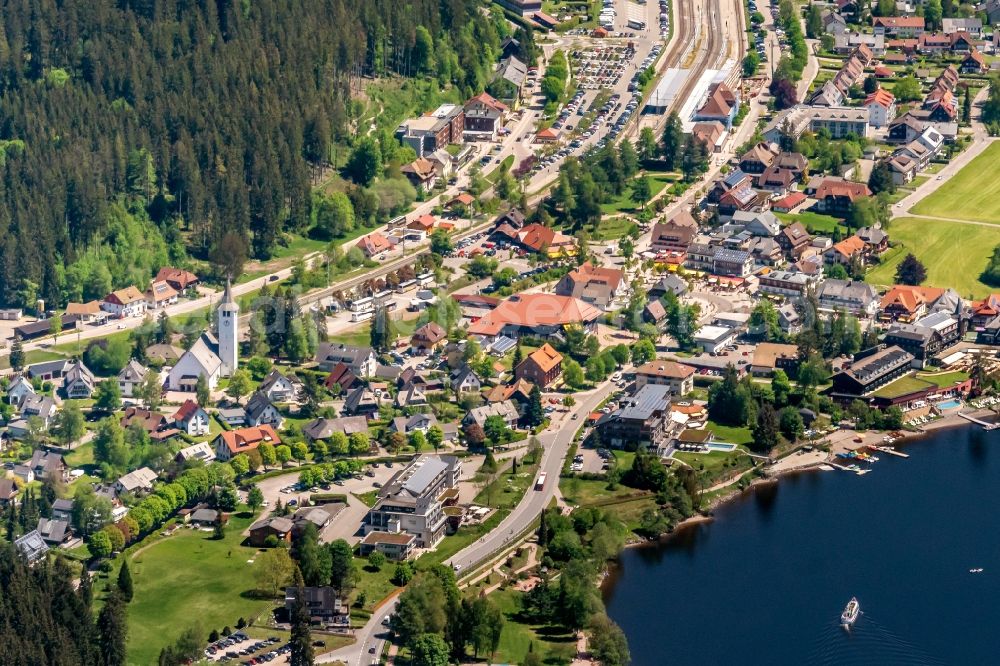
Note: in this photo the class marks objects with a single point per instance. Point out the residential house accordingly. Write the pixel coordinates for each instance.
(428, 338)
(763, 224)
(325, 608)
(18, 389)
(409, 503)
(839, 121)
(260, 411)
(192, 419)
(828, 94)
(8, 491)
(361, 360)
(416, 423)
(836, 196)
(677, 376)
(131, 378)
(202, 451)
(342, 376)
(420, 172)
(32, 405)
(321, 429)
(971, 26)
(49, 370)
(277, 526)
(675, 234)
(758, 158)
(898, 26)
(834, 23)
(127, 302)
(599, 286)
(974, 63)
(933, 43)
(234, 417)
(881, 106)
(905, 128)
(876, 240)
(794, 239)
(903, 168)
(858, 298)
(770, 356)
(233, 442)
(32, 547)
(178, 278)
(504, 409)
(508, 83)
(926, 337)
(668, 283)
(280, 388)
(870, 371)
(54, 532)
(642, 419)
(89, 312)
(545, 240)
(541, 367)
(138, 481)
(155, 424)
(985, 310)
(45, 465)
(362, 401)
(961, 42)
(78, 382)
(851, 249)
(789, 319)
(464, 380)
(373, 244)
(159, 295)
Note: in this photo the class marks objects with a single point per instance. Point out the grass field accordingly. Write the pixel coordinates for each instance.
(585, 491)
(553, 645)
(730, 434)
(971, 194)
(954, 254)
(944, 379)
(814, 222)
(613, 228)
(902, 386)
(190, 579)
(624, 203)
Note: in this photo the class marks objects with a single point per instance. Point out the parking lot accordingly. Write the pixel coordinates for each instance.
(239, 648)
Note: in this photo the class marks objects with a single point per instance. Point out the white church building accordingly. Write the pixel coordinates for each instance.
(208, 356)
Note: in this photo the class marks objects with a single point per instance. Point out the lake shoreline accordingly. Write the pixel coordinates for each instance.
(706, 515)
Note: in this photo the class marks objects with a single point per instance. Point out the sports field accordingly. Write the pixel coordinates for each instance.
(971, 194)
(954, 254)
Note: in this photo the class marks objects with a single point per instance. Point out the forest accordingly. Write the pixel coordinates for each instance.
(135, 133)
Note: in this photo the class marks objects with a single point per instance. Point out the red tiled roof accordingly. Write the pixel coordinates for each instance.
(248, 439)
(535, 310)
(910, 298)
(835, 187)
(882, 97)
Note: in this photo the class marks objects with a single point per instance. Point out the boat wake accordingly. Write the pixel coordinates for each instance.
(868, 642)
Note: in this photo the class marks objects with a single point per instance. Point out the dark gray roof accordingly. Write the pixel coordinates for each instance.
(257, 404)
(646, 401)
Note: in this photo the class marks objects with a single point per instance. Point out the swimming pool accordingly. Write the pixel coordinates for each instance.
(949, 404)
(720, 446)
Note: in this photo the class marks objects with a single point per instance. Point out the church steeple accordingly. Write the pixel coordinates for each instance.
(228, 318)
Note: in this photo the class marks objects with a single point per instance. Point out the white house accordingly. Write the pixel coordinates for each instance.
(79, 382)
(259, 411)
(141, 480)
(881, 106)
(279, 388)
(19, 388)
(127, 302)
(714, 338)
(131, 378)
(192, 419)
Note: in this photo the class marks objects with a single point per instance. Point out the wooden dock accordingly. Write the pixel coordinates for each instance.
(985, 424)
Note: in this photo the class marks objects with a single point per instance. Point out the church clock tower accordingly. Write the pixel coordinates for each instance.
(229, 339)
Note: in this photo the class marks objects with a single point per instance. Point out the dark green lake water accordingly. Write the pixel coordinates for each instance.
(765, 582)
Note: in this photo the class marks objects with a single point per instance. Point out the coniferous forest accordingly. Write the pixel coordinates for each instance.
(135, 133)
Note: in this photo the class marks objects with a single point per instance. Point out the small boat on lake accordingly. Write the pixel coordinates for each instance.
(850, 614)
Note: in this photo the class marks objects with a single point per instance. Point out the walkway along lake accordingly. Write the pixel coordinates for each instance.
(765, 582)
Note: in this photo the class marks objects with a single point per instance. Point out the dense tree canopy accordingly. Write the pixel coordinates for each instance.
(131, 131)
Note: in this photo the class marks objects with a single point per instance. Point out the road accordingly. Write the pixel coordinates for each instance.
(980, 142)
(555, 446)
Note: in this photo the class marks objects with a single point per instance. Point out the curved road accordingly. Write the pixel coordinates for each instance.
(555, 445)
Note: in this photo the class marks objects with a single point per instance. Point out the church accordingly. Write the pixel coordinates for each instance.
(211, 357)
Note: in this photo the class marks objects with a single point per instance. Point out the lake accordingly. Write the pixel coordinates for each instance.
(766, 581)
